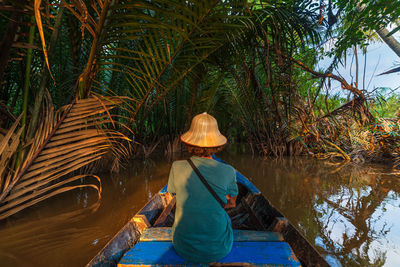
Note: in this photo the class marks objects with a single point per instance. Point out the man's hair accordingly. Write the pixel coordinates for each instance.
(203, 151)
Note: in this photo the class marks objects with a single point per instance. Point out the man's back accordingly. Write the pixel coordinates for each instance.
(202, 230)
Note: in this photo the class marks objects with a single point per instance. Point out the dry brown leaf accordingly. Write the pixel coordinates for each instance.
(66, 141)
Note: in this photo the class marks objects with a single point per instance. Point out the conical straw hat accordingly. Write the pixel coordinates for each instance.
(204, 132)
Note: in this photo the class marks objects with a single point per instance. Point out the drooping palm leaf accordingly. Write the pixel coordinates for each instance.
(394, 70)
(66, 141)
(8, 147)
(38, 19)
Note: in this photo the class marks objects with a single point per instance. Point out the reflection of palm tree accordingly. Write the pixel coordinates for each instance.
(358, 211)
(328, 196)
(312, 195)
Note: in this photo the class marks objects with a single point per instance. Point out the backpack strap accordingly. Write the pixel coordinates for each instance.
(206, 184)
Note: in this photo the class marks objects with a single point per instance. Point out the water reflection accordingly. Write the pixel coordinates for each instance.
(352, 215)
(342, 209)
(70, 229)
(349, 212)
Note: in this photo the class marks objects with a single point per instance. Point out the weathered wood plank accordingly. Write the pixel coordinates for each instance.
(255, 253)
(280, 224)
(116, 247)
(141, 222)
(153, 208)
(305, 252)
(164, 215)
(164, 234)
(129, 234)
(247, 236)
(253, 217)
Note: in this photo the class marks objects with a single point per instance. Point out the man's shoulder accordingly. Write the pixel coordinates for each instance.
(226, 167)
(179, 163)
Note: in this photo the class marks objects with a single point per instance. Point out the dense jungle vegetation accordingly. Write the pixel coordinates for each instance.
(85, 83)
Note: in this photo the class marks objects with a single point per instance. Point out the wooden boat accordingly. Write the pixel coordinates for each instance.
(262, 235)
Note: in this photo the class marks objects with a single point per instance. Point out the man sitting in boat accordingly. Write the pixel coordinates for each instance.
(202, 230)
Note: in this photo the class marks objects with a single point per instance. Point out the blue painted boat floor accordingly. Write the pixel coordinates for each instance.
(249, 249)
(254, 253)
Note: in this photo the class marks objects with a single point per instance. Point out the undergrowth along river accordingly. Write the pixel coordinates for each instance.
(348, 212)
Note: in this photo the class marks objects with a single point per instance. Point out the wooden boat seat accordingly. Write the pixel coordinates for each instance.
(164, 234)
(249, 247)
(243, 253)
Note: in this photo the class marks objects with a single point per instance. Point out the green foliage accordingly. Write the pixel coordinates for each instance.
(351, 22)
(387, 104)
(245, 84)
(175, 59)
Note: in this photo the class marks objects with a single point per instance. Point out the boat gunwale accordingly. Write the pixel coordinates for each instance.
(131, 227)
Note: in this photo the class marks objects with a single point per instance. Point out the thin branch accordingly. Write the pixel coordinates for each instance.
(345, 85)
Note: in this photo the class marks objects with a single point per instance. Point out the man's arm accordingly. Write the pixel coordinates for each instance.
(231, 202)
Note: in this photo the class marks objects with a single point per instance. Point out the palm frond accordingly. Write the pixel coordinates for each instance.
(66, 141)
(394, 70)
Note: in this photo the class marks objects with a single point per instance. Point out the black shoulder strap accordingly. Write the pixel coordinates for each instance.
(206, 183)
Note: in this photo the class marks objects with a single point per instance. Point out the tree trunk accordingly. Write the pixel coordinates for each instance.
(382, 32)
(27, 77)
(389, 40)
(45, 77)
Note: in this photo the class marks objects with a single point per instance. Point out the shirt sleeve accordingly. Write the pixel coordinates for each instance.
(232, 187)
(171, 186)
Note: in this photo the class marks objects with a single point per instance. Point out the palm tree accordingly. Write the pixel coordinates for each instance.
(151, 45)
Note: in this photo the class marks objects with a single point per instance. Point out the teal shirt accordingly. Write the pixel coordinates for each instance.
(202, 230)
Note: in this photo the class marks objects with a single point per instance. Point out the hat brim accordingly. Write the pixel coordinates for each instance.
(202, 146)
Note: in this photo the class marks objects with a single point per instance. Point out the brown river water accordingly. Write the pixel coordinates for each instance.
(350, 213)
